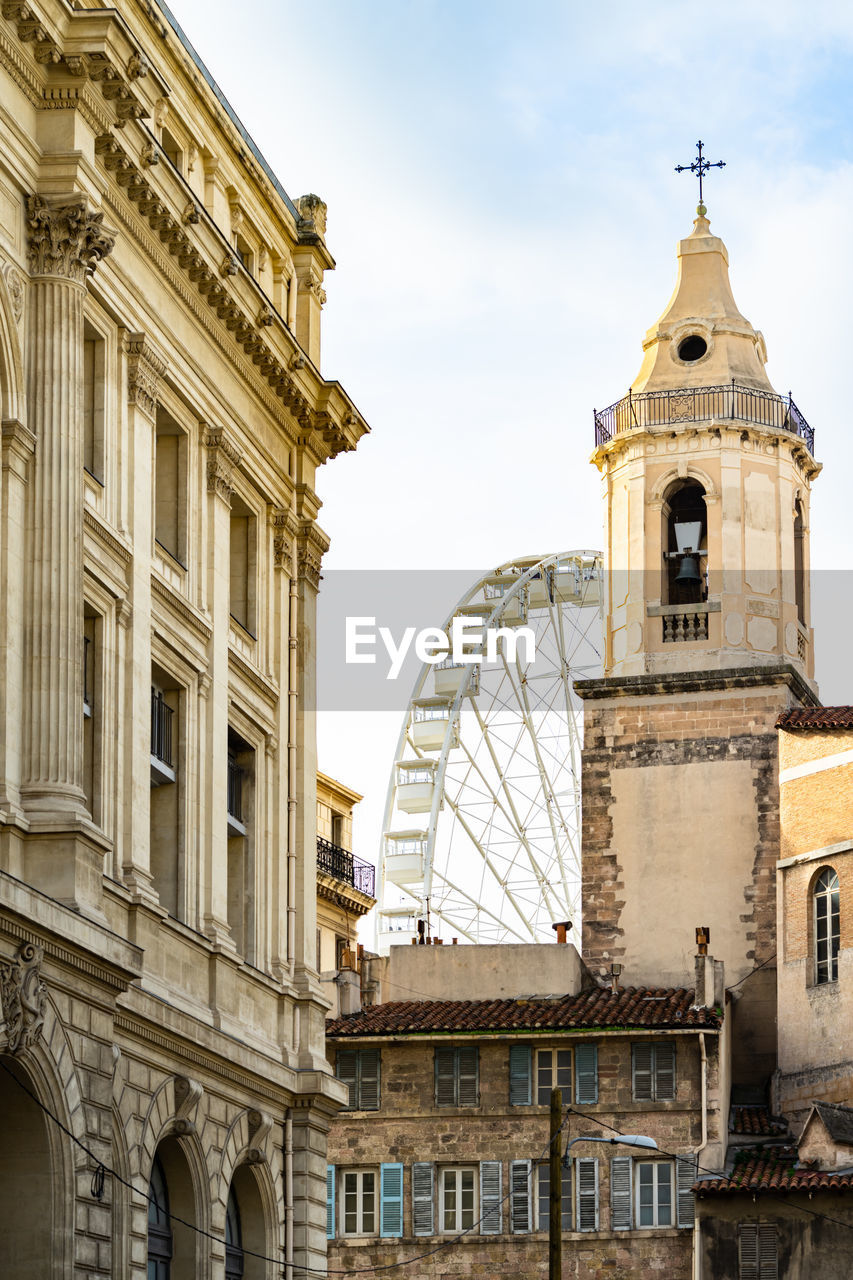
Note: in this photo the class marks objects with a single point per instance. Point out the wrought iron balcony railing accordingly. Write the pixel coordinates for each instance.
(235, 789)
(344, 866)
(701, 404)
(161, 728)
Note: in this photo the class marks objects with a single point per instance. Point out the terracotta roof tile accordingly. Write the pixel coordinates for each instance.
(816, 718)
(757, 1121)
(629, 1007)
(775, 1169)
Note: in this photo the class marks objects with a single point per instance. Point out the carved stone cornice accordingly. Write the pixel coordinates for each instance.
(65, 237)
(284, 526)
(22, 997)
(145, 368)
(222, 458)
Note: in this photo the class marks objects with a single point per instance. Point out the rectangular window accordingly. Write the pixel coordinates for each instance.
(653, 1071)
(653, 1194)
(241, 844)
(457, 1077)
(553, 1071)
(758, 1251)
(458, 1199)
(543, 1197)
(166, 825)
(243, 553)
(170, 487)
(359, 1068)
(94, 400)
(92, 711)
(358, 1202)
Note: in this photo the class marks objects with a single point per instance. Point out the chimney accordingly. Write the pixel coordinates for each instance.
(561, 928)
(615, 972)
(710, 990)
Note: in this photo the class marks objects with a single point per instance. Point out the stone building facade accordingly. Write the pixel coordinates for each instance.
(164, 1091)
(441, 1155)
(346, 891)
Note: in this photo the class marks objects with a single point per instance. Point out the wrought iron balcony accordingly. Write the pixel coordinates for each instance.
(235, 791)
(161, 728)
(343, 865)
(730, 402)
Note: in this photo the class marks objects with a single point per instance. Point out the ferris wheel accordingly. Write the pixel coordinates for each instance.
(481, 837)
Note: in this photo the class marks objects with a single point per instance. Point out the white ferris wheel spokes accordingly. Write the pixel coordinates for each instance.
(482, 822)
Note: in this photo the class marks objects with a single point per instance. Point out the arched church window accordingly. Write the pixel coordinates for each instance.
(799, 562)
(827, 926)
(686, 544)
(159, 1225)
(233, 1240)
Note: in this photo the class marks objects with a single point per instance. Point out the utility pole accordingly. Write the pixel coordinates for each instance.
(555, 1190)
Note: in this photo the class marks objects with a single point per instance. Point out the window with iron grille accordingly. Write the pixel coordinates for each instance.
(653, 1071)
(457, 1077)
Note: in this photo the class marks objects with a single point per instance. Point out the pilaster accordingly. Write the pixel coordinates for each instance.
(283, 526)
(18, 446)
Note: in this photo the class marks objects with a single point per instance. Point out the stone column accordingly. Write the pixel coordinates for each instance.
(283, 525)
(67, 240)
(18, 445)
(145, 369)
(222, 458)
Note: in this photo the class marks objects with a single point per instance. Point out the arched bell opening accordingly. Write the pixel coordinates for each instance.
(799, 562)
(685, 550)
(27, 1246)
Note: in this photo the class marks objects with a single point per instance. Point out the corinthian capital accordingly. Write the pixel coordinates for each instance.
(66, 237)
(144, 370)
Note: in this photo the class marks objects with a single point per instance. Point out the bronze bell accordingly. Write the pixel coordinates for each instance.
(689, 570)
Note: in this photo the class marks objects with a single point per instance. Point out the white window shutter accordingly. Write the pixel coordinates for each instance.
(586, 1073)
(368, 1092)
(685, 1176)
(423, 1198)
(346, 1070)
(586, 1181)
(391, 1200)
(519, 1075)
(642, 1056)
(664, 1072)
(469, 1090)
(519, 1186)
(330, 1202)
(445, 1077)
(490, 1198)
(621, 1193)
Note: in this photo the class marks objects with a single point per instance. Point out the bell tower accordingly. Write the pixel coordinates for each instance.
(706, 476)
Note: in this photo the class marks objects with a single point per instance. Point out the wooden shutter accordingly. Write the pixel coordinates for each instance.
(330, 1202)
(621, 1193)
(685, 1176)
(519, 1075)
(469, 1085)
(642, 1056)
(586, 1181)
(768, 1255)
(490, 1198)
(586, 1073)
(346, 1069)
(391, 1200)
(368, 1083)
(423, 1199)
(519, 1197)
(445, 1077)
(664, 1071)
(748, 1251)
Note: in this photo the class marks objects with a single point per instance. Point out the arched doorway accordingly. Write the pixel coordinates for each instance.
(26, 1180)
(172, 1244)
(246, 1231)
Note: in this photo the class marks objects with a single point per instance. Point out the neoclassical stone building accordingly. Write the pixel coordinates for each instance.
(164, 1092)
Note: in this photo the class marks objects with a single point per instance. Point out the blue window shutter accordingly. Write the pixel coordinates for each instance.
(519, 1075)
(330, 1202)
(621, 1193)
(586, 1073)
(423, 1177)
(391, 1200)
(490, 1198)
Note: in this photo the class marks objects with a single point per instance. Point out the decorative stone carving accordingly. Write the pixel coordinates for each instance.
(150, 155)
(188, 1094)
(161, 112)
(312, 212)
(191, 213)
(311, 547)
(283, 525)
(222, 458)
(22, 996)
(192, 157)
(137, 66)
(265, 317)
(15, 286)
(76, 64)
(66, 237)
(229, 266)
(144, 371)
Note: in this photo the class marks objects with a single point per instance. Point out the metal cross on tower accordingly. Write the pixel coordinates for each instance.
(700, 167)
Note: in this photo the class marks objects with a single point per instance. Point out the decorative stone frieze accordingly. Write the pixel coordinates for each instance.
(15, 287)
(22, 997)
(66, 237)
(144, 371)
(222, 458)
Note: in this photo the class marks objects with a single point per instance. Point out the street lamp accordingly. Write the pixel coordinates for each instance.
(555, 1226)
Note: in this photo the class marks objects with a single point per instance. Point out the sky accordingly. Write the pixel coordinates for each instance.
(504, 210)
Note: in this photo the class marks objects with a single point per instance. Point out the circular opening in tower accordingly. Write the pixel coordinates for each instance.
(692, 348)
